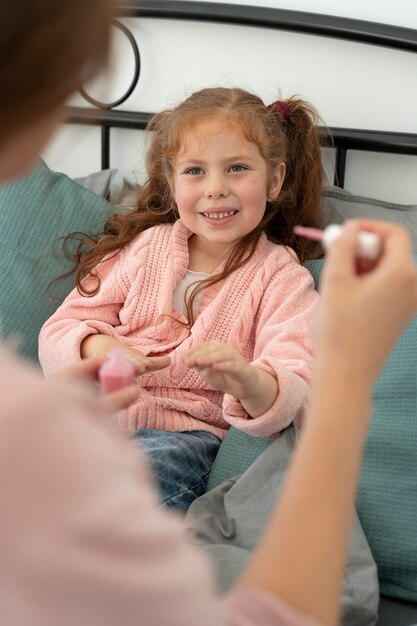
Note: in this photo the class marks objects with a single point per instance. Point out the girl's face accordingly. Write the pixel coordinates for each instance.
(221, 184)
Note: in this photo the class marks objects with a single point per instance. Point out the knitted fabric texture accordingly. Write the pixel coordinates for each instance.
(264, 310)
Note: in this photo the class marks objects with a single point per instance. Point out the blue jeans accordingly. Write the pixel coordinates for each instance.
(181, 462)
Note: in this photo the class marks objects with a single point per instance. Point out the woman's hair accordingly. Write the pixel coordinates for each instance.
(48, 48)
(284, 132)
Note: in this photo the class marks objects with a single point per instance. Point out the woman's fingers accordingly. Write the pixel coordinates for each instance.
(341, 256)
(120, 399)
(85, 369)
(395, 239)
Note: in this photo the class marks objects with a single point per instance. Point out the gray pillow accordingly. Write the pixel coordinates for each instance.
(98, 182)
(340, 205)
(109, 184)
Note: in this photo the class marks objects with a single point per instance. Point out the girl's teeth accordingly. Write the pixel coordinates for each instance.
(219, 216)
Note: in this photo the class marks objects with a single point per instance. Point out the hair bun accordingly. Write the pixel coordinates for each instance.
(281, 109)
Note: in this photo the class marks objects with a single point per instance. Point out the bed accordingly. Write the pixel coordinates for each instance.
(387, 502)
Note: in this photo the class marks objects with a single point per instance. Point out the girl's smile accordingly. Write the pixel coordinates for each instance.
(221, 184)
(218, 217)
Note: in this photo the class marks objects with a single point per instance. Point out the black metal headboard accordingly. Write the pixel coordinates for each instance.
(396, 37)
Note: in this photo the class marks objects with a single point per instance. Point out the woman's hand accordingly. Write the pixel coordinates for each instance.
(364, 309)
(101, 345)
(87, 370)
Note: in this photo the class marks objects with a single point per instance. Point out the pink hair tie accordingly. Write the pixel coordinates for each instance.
(282, 109)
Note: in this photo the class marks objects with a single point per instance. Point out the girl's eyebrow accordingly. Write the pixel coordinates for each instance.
(237, 157)
(188, 159)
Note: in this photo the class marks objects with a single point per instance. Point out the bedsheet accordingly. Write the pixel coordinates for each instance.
(228, 521)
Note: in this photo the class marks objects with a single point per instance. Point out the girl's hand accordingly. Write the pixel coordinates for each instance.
(101, 346)
(364, 310)
(223, 368)
(87, 370)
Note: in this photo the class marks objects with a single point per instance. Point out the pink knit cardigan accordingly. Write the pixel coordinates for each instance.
(264, 310)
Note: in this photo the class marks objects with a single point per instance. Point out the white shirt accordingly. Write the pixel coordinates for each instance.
(178, 298)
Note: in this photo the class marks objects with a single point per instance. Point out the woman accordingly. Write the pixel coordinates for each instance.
(82, 541)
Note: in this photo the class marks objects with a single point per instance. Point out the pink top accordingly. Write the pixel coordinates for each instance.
(82, 540)
(264, 310)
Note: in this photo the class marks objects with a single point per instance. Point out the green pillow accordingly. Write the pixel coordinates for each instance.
(387, 496)
(237, 452)
(35, 213)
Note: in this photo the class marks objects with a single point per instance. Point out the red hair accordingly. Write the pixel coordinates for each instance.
(292, 138)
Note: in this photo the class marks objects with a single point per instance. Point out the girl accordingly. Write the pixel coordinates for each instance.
(201, 285)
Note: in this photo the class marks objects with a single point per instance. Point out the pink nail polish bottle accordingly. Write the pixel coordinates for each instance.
(369, 244)
(117, 372)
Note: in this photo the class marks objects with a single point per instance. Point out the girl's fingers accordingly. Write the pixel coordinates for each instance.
(206, 360)
(210, 354)
(157, 363)
(192, 356)
(88, 368)
(229, 367)
(149, 364)
(206, 347)
(206, 372)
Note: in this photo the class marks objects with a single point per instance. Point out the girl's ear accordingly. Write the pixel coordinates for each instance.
(276, 181)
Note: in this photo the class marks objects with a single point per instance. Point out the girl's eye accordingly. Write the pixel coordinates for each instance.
(237, 168)
(194, 171)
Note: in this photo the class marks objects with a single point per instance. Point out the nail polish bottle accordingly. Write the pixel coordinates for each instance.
(117, 372)
(369, 244)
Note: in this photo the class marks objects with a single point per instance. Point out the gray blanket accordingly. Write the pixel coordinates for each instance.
(229, 520)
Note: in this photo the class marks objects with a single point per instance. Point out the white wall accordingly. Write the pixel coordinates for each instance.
(352, 85)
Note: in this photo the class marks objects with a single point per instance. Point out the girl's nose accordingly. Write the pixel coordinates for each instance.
(216, 188)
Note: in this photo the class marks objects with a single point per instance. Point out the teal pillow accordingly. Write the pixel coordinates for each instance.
(35, 213)
(387, 495)
(237, 452)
